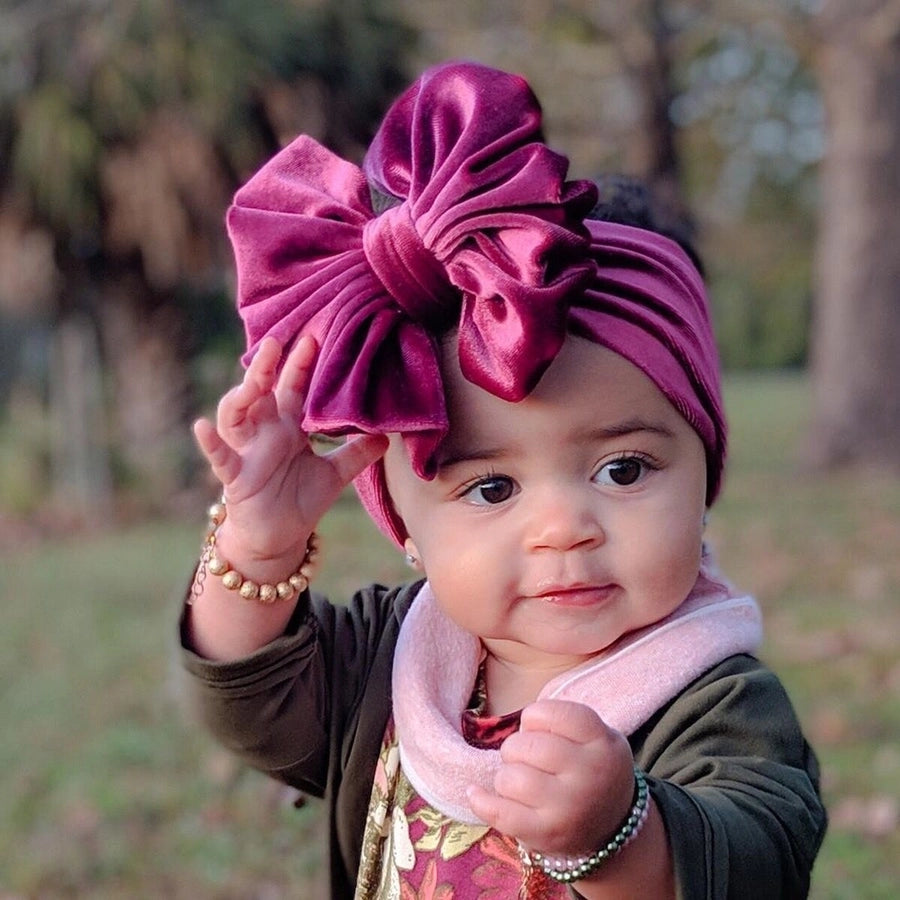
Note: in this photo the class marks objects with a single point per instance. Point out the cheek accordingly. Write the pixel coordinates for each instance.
(689, 551)
(679, 562)
(447, 551)
(667, 554)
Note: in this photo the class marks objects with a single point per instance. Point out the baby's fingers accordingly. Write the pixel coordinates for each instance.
(502, 813)
(572, 721)
(290, 392)
(234, 412)
(223, 460)
(355, 454)
(485, 804)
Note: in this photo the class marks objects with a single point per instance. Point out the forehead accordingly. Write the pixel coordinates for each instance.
(586, 386)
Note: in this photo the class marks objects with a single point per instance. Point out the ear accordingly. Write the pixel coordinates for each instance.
(413, 557)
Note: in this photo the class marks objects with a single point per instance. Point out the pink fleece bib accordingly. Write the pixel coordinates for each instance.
(436, 662)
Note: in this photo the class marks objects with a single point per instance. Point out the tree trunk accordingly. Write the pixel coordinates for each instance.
(652, 151)
(145, 347)
(856, 325)
(82, 482)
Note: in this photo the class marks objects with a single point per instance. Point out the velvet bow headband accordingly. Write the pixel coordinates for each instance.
(481, 233)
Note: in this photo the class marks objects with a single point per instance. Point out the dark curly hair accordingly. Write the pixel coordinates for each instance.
(628, 201)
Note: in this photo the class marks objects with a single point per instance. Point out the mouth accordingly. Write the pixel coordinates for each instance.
(577, 595)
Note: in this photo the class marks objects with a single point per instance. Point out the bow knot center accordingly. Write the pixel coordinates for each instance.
(409, 271)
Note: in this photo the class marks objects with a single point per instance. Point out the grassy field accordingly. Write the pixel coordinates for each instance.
(108, 791)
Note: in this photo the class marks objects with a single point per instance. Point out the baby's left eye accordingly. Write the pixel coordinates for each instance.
(623, 472)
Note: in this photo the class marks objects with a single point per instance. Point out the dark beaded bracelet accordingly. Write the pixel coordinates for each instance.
(566, 869)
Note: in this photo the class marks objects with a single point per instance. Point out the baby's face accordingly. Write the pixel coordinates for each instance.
(558, 524)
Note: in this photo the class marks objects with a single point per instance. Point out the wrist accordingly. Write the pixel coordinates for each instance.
(566, 869)
(255, 563)
(266, 579)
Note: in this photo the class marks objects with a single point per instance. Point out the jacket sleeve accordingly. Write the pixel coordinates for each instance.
(285, 708)
(737, 786)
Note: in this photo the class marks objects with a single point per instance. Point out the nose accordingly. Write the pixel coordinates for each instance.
(565, 519)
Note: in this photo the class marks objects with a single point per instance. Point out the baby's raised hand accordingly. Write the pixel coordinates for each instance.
(565, 783)
(277, 488)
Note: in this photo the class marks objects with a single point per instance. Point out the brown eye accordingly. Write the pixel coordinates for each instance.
(490, 491)
(623, 472)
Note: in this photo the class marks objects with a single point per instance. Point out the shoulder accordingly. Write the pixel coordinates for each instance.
(740, 685)
(738, 707)
(375, 611)
(737, 784)
(356, 641)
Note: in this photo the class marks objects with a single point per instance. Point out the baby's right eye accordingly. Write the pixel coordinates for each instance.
(490, 490)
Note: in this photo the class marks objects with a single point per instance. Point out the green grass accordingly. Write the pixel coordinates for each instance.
(821, 554)
(107, 790)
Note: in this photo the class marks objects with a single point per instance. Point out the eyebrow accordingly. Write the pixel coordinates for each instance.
(473, 454)
(630, 426)
(605, 433)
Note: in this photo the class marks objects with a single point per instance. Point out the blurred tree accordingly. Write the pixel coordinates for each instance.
(125, 126)
(856, 336)
(642, 34)
(750, 123)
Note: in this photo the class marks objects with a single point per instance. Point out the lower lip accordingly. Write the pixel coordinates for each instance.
(579, 597)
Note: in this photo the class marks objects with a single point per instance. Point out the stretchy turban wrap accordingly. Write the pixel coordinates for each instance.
(648, 303)
(481, 234)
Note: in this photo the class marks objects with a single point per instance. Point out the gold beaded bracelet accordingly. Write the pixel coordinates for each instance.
(213, 564)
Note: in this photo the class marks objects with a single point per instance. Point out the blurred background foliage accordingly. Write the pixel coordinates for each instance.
(126, 125)
(768, 131)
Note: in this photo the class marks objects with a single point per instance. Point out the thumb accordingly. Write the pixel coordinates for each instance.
(355, 454)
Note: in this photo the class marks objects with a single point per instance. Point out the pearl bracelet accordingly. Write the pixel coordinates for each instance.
(566, 869)
(212, 563)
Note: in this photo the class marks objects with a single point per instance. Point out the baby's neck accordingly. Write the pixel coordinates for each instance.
(510, 686)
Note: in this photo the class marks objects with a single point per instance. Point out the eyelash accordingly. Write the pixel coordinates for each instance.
(481, 480)
(648, 464)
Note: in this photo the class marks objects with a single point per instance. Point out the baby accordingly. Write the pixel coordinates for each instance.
(567, 702)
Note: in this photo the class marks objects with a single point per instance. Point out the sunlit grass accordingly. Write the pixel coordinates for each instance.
(107, 790)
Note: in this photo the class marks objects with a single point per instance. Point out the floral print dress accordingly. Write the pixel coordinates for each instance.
(411, 851)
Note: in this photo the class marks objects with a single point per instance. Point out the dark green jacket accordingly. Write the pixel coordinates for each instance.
(729, 769)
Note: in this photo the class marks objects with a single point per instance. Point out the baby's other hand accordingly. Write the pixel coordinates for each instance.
(565, 782)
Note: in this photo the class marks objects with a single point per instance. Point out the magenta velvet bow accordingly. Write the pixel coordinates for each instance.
(481, 233)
